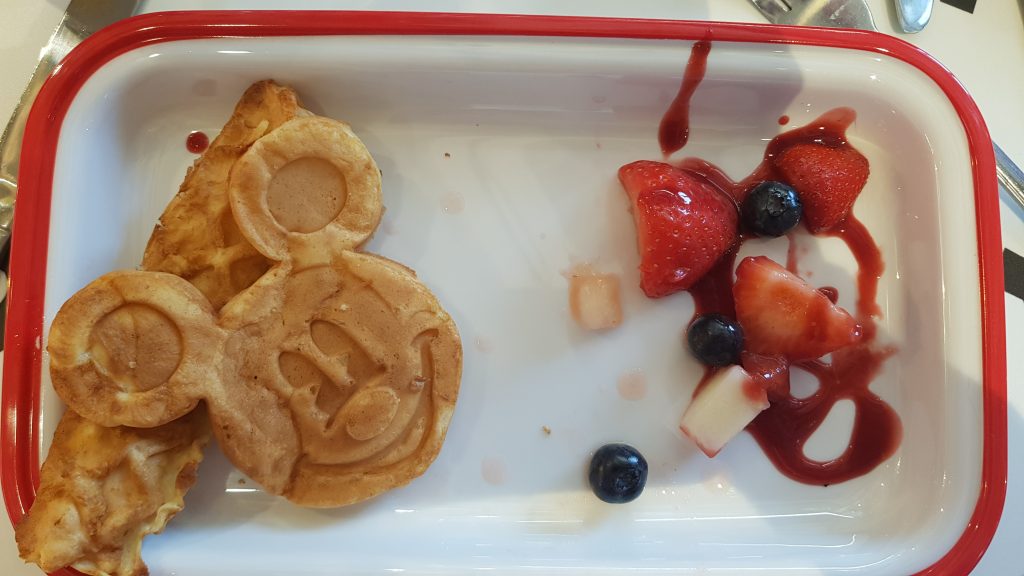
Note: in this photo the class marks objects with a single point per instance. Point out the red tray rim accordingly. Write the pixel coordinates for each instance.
(20, 398)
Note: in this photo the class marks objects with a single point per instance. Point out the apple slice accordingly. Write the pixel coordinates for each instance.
(723, 408)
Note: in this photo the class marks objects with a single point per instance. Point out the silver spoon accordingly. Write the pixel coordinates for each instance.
(913, 14)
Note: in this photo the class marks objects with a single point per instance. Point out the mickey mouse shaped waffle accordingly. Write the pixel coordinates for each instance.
(330, 380)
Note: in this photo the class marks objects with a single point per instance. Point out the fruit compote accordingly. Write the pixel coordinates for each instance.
(786, 322)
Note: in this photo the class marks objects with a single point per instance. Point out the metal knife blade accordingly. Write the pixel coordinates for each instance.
(828, 13)
(82, 18)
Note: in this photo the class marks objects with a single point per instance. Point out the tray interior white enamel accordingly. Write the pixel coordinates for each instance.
(499, 158)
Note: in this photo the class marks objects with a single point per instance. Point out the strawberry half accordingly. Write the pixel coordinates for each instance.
(827, 179)
(783, 315)
(683, 224)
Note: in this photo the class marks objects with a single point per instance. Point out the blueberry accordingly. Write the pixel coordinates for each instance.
(772, 209)
(617, 473)
(715, 340)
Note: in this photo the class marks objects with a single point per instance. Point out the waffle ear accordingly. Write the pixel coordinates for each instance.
(305, 191)
(134, 349)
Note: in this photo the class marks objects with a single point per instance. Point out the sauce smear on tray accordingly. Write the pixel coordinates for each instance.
(783, 429)
(674, 131)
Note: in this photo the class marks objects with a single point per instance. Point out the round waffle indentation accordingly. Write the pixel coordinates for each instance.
(305, 191)
(139, 346)
(306, 194)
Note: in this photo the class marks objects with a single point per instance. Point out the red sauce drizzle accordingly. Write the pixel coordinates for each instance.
(713, 292)
(828, 129)
(792, 256)
(783, 120)
(831, 293)
(869, 264)
(714, 175)
(674, 130)
(197, 142)
(784, 428)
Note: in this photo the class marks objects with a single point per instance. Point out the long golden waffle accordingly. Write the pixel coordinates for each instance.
(103, 489)
(82, 516)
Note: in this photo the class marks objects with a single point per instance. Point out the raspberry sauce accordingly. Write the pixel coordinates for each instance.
(674, 131)
(792, 257)
(831, 293)
(197, 142)
(784, 428)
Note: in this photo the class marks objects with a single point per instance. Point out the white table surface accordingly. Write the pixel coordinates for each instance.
(985, 50)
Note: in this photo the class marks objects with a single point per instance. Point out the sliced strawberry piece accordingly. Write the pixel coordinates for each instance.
(769, 372)
(683, 223)
(828, 180)
(783, 315)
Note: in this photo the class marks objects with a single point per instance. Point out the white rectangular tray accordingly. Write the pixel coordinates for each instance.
(499, 157)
